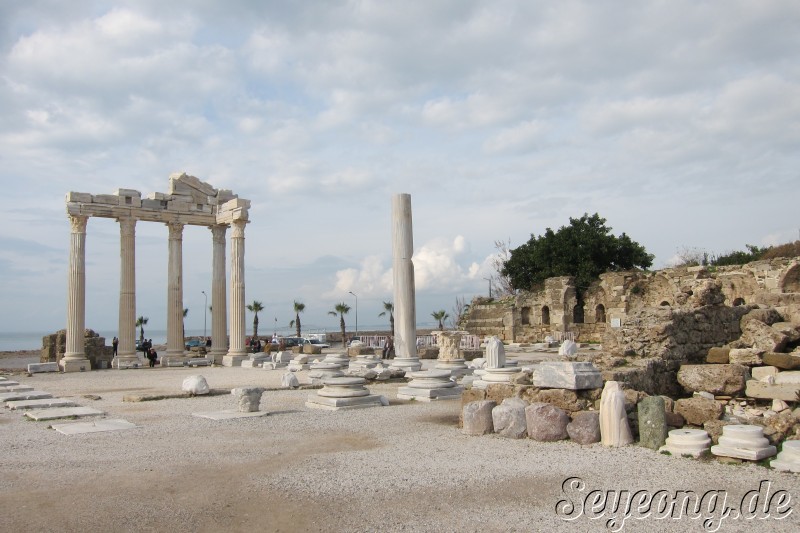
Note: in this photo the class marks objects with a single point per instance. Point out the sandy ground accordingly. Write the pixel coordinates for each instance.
(405, 467)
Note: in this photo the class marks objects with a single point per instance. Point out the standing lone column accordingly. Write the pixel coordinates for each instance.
(219, 333)
(175, 346)
(126, 351)
(405, 341)
(74, 359)
(237, 352)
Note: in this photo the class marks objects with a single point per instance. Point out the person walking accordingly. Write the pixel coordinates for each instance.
(114, 345)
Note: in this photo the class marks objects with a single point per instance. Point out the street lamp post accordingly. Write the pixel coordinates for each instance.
(205, 314)
(354, 294)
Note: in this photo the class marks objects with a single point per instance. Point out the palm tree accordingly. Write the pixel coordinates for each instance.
(389, 308)
(255, 307)
(299, 307)
(140, 322)
(441, 316)
(340, 310)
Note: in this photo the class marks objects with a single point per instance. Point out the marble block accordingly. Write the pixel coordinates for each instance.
(343, 393)
(686, 442)
(788, 459)
(743, 442)
(230, 414)
(252, 363)
(233, 360)
(23, 395)
(248, 398)
(430, 385)
(772, 391)
(34, 368)
(8, 383)
(567, 375)
(61, 412)
(111, 424)
(43, 403)
(17, 388)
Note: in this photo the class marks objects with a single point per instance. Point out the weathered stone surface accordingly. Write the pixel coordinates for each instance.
(717, 379)
(477, 417)
(472, 395)
(546, 422)
(248, 398)
(783, 361)
(563, 399)
(788, 329)
(718, 355)
(698, 410)
(744, 356)
(714, 428)
(781, 391)
(760, 372)
(674, 420)
(766, 316)
(289, 381)
(499, 392)
(761, 337)
(584, 427)
(652, 422)
(509, 418)
(567, 375)
(196, 385)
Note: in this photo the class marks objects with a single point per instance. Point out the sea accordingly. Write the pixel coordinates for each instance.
(13, 341)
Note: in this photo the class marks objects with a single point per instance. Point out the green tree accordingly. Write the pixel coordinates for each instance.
(389, 308)
(183, 323)
(440, 315)
(255, 307)
(140, 322)
(340, 310)
(298, 308)
(584, 249)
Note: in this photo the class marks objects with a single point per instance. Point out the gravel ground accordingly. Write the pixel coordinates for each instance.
(405, 467)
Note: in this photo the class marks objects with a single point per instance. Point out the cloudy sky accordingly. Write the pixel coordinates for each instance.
(679, 122)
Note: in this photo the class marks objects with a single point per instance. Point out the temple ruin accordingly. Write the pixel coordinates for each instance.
(189, 201)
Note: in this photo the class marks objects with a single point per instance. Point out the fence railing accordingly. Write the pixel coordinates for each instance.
(468, 342)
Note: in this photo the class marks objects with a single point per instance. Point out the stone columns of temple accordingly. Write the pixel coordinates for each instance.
(219, 332)
(74, 359)
(175, 341)
(237, 352)
(405, 341)
(126, 350)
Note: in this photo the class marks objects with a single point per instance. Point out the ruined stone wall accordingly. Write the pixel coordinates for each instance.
(55, 344)
(615, 296)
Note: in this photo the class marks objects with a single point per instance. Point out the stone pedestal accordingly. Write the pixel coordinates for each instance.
(567, 375)
(256, 360)
(430, 385)
(337, 359)
(324, 371)
(789, 458)
(299, 363)
(490, 376)
(343, 393)
(743, 442)
(233, 360)
(450, 357)
(686, 442)
(363, 362)
(75, 365)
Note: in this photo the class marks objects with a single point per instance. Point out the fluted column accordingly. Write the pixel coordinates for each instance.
(219, 332)
(126, 351)
(237, 351)
(175, 342)
(74, 359)
(405, 341)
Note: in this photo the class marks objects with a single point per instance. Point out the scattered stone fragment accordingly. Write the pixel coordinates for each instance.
(509, 418)
(477, 417)
(698, 410)
(584, 427)
(546, 422)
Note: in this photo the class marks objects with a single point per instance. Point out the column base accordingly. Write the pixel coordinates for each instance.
(233, 360)
(122, 362)
(409, 364)
(75, 365)
(216, 357)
